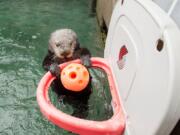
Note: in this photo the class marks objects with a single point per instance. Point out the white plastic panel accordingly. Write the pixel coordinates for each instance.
(149, 80)
(118, 41)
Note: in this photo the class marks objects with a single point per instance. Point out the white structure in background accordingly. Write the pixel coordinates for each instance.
(143, 48)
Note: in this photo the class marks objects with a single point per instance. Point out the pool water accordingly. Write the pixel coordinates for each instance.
(25, 26)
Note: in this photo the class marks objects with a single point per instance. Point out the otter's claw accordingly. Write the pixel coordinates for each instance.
(55, 70)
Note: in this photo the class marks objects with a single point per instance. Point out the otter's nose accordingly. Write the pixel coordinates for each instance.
(65, 53)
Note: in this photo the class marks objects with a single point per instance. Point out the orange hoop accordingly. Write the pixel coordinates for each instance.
(113, 126)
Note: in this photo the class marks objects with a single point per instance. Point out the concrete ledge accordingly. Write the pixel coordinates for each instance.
(104, 10)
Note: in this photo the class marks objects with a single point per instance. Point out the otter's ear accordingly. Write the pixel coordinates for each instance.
(50, 47)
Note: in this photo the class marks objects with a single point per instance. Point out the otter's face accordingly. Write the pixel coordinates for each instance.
(63, 43)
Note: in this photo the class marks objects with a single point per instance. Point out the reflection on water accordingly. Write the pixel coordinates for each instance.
(25, 26)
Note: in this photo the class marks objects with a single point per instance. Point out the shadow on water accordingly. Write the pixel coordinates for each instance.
(25, 26)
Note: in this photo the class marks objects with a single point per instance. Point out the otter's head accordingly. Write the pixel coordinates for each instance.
(63, 42)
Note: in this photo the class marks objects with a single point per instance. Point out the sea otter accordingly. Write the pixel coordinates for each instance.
(64, 46)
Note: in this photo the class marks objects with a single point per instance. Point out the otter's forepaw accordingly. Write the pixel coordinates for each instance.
(85, 60)
(55, 70)
(87, 63)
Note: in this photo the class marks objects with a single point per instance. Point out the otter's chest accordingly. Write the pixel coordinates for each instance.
(60, 61)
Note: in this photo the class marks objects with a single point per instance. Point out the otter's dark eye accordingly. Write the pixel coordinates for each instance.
(57, 45)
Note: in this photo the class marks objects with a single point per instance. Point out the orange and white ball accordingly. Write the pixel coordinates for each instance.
(75, 77)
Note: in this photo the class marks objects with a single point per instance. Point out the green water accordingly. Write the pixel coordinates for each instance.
(25, 26)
